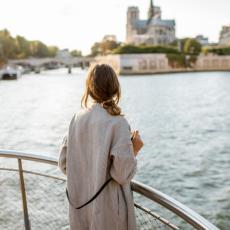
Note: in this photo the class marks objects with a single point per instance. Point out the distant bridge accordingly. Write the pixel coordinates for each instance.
(37, 64)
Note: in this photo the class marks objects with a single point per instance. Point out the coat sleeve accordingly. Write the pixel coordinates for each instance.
(124, 162)
(63, 148)
(62, 155)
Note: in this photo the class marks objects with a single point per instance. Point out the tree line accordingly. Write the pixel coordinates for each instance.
(19, 47)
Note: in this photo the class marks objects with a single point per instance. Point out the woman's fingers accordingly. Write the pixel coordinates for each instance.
(136, 135)
(136, 132)
(137, 142)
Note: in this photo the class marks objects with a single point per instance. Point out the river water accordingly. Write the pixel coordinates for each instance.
(184, 120)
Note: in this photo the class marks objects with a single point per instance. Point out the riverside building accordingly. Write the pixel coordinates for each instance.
(151, 31)
(225, 36)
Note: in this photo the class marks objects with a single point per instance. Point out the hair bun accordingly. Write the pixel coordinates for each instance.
(111, 107)
(109, 102)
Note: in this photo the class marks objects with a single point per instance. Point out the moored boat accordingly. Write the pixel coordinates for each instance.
(10, 72)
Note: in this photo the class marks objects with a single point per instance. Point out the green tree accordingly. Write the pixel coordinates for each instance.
(104, 47)
(192, 46)
(8, 46)
(22, 47)
(39, 49)
(52, 50)
(179, 44)
(95, 49)
(76, 53)
(108, 46)
(176, 60)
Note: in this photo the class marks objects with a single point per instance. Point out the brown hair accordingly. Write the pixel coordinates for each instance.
(102, 86)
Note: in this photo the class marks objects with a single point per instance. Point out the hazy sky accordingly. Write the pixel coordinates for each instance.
(79, 23)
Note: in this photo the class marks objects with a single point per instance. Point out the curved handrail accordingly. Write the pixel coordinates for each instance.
(29, 156)
(168, 202)
(175, 206)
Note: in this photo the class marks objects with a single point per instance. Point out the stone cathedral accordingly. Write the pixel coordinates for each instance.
(152, 31)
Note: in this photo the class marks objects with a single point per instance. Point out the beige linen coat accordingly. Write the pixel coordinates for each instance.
(98, 147)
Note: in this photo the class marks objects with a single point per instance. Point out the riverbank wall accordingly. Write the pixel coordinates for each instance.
(135, 64)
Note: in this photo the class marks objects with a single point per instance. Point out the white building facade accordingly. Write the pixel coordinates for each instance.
(136, 63)
(152, 31)
(225, 36)
(129, 64)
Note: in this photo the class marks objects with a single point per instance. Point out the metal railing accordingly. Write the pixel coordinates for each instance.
(146, 219)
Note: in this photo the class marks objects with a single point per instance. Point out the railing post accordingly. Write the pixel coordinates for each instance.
(23, 193)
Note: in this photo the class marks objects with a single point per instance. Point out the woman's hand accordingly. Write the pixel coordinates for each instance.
(137, 142)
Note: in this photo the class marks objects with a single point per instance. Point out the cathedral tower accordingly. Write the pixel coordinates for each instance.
(151, 11)
(132, 17)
